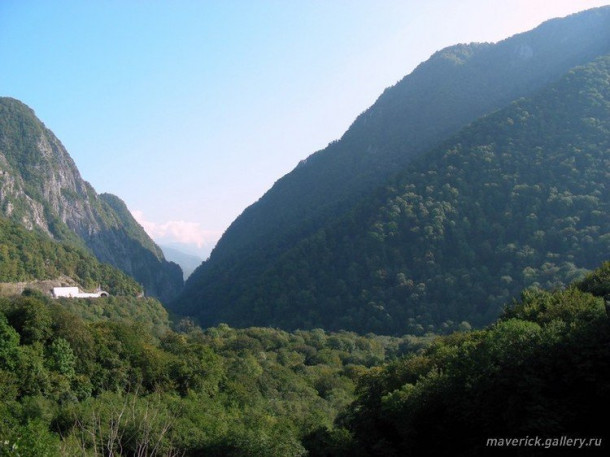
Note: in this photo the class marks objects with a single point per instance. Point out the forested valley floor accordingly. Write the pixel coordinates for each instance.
(110, 377)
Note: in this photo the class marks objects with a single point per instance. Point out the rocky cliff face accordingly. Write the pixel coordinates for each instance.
(41, 188)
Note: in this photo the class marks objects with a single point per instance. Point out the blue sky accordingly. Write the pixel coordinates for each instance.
(191, 110)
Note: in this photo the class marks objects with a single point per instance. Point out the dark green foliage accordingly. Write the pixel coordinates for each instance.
(147, 312)
(61, 358)
(302, 257)
(25, 438)
(31, 318)
(108, 375)
(29, 255)
(541, 371)
(518, 199)
(597, 282)
(9, 341)
(132, 228)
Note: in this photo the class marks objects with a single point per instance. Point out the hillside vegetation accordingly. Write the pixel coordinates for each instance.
(254, 276)
(41, 188)
(84, 377)
(74, 386)
(542, 370)
(31, 255)
(519, 198)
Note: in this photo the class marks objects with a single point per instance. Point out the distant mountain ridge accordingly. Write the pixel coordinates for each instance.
(188, 262)
(450, 90)
(41, 188)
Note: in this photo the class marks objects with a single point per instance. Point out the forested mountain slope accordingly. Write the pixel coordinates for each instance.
(541, 371)
(40, 187)
(518, 198)
(28, 255)
(453, 88)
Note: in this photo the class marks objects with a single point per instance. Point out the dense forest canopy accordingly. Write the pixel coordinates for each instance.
(257, 257)
(76, 382)
(30, 255)
(82, 377)
(540, 371)
(517, 199)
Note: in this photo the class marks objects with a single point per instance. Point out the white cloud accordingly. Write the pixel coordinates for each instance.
(183, 232)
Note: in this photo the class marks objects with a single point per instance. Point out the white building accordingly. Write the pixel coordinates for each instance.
(75, 292)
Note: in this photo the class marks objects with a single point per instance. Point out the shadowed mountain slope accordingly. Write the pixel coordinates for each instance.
(518, 198)
(452, 89)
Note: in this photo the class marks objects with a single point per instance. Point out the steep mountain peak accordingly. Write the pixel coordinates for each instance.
(41, 188)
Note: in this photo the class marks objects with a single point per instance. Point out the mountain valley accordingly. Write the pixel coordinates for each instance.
(435, 282)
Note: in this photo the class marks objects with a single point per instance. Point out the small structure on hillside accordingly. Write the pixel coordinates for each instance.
(75, 292)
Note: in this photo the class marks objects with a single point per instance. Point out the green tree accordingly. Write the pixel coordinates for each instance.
(9, 345)
(61, 358)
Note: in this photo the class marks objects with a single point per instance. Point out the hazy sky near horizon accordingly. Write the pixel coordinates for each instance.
(191, 110)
